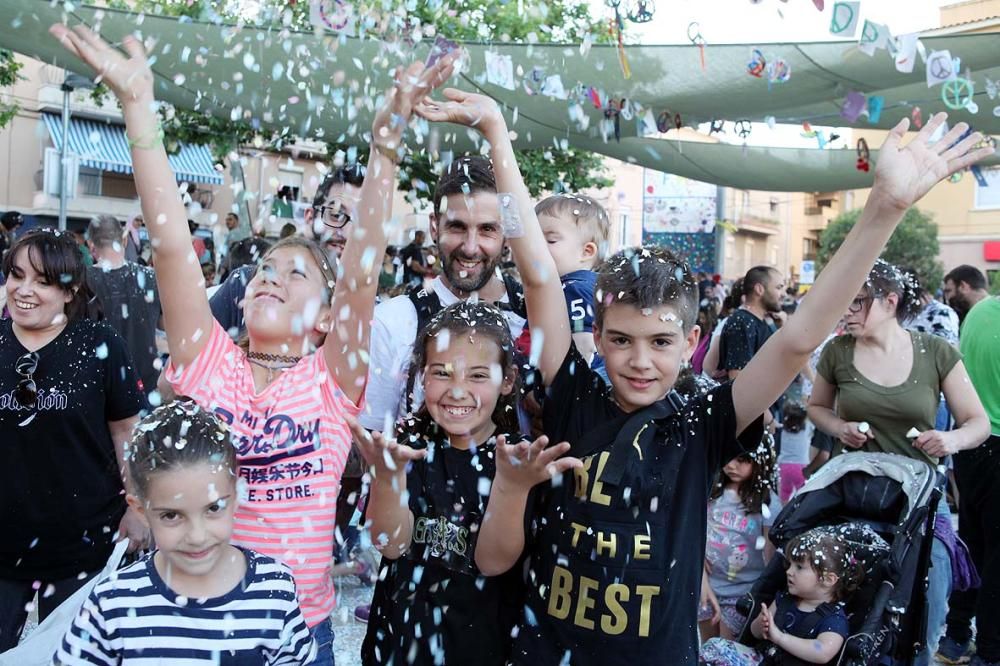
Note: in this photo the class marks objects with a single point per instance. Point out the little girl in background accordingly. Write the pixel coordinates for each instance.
(821, 572)
(428, 495)
(796, 436)
(196, 598)
(741, 509)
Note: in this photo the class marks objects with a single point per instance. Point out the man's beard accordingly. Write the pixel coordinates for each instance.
(471, 282)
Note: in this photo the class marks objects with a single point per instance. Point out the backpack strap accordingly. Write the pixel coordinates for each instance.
(515, 298)
(630, 433)
(427, 304)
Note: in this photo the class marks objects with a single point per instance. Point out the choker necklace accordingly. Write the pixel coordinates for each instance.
(272, 362)
(273, 358)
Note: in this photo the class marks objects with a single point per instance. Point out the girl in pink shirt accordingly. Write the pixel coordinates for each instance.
(286, 393)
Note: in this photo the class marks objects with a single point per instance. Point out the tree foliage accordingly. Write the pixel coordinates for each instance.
(914, 244)
(513, 21)
(9, 68)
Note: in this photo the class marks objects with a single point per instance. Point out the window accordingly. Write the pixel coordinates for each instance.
(90, 182)
(290, 176)
(809, 248)
(730, 248)
(623, 230)
(989, 196)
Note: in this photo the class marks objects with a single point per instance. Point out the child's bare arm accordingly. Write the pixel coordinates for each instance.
(520, 467)
(819, 650)
(543, 292)
(902, 177)
(585, 345)
(389, 515)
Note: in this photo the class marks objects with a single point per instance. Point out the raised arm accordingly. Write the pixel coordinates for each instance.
(903, 175)
(186, 315)
(543, 292)
(361, 261)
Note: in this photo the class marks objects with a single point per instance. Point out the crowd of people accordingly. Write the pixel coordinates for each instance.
(561, 455)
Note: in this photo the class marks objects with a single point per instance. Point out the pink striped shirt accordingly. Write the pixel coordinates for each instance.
(293, 443)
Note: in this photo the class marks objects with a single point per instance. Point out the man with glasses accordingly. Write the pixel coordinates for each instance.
(334, 207)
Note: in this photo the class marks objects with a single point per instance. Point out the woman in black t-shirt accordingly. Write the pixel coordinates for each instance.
(68, 400)
(431, 603)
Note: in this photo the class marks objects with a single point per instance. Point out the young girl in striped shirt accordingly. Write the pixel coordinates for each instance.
(196, 598)
(286, 396)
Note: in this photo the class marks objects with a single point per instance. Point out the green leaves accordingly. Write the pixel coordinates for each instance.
(9, 68)
(913, 245)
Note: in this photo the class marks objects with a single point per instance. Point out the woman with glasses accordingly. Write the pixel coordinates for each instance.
(877, 389)
(68, 400)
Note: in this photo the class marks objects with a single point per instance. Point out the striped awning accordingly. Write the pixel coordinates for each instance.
(104, 146)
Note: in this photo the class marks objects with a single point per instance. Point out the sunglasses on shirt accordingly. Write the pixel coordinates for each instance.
(26, 392)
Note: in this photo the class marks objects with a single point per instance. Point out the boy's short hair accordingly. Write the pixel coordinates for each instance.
(647, 278)
(589, 216)
(465, 175)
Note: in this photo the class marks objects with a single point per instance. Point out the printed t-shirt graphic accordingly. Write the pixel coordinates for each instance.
(292, 443)
(615, 569)
(432, 603)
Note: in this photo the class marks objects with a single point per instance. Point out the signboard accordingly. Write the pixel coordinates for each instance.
(807, 272)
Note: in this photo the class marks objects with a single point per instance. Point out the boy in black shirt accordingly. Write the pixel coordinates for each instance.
(615, 554)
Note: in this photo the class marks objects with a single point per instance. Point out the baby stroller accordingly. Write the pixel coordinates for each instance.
(884, 505)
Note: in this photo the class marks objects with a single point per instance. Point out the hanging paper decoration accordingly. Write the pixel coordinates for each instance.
(640, 11)
(875, 104)
(778, 71)
(863, 156)
(617, 26)
(663, 122)
(716, 126)
(757, 64)
(696, 38)
(918, 121)
(743, 128)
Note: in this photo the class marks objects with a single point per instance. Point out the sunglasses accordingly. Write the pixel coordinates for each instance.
(26, 392)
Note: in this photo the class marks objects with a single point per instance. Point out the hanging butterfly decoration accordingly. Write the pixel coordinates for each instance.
(743, 129)
(716, 126)
(757, 64)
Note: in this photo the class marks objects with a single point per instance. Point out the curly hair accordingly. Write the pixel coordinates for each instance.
(827, 552)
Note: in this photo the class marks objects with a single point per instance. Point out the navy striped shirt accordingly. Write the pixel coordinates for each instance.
(132, 617)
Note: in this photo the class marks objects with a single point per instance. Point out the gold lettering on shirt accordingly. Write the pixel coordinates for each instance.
(647, 592)
(617, 620)
(586, 603)
(607, 542)
(578, 529)
(559, 593)
(641, 547)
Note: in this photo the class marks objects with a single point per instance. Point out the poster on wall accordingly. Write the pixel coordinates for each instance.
(679, 214)
(672, 204)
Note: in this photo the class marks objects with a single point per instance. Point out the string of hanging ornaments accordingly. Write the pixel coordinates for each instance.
(636, 11)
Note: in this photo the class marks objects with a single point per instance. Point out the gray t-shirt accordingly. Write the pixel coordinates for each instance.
(735, 544)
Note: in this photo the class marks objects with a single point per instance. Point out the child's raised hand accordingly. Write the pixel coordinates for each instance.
(462, 108)
(905, 174)
(129, 78)
(386, 456)
(410, 87)
(526, 465)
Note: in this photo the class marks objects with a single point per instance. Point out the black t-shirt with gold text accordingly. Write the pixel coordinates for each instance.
(432, 605)
(614, 570)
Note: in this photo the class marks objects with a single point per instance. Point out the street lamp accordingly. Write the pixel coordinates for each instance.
(70, 83)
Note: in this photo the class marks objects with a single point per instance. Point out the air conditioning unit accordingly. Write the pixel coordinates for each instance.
(51, 178)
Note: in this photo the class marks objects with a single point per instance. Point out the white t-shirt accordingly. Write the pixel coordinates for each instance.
(394, 331)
